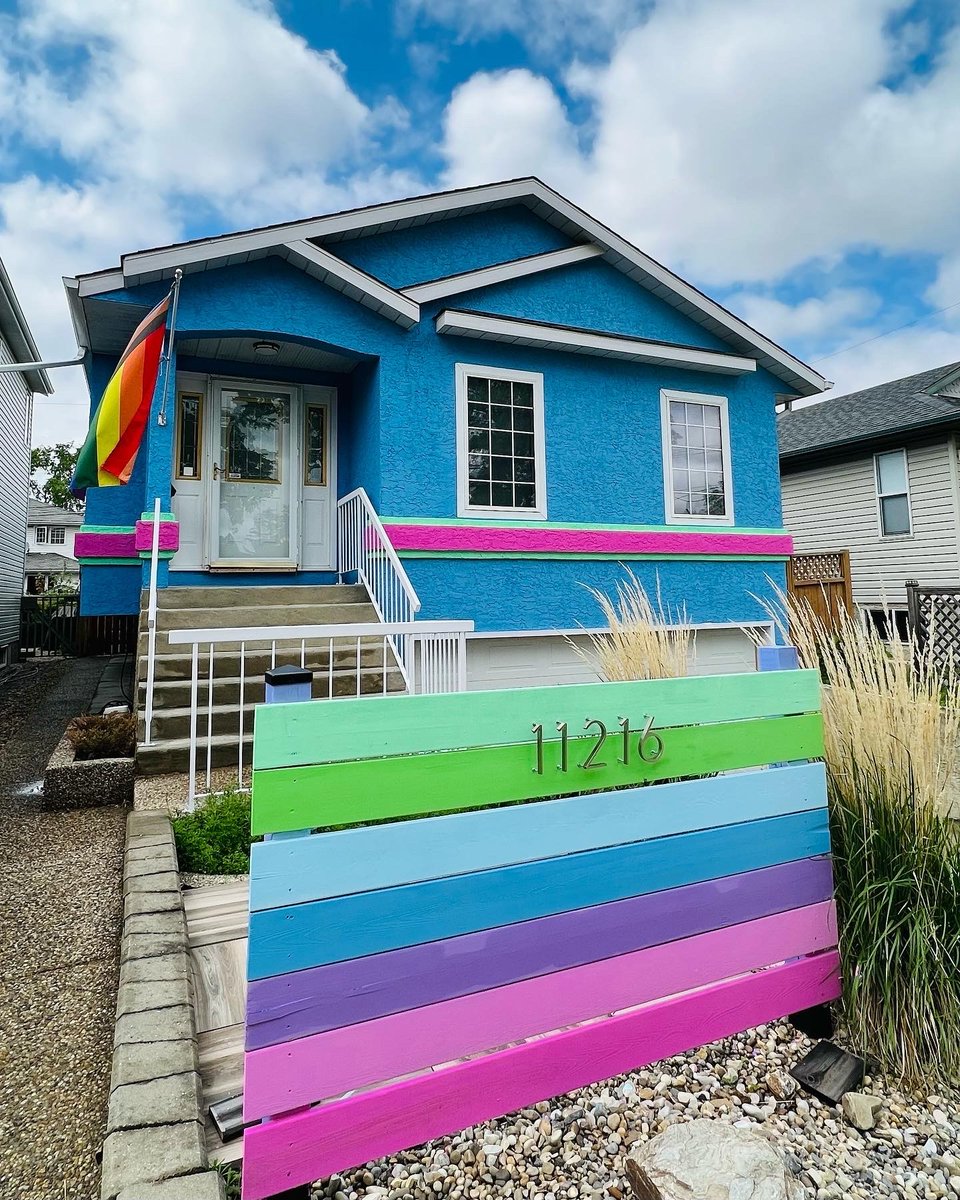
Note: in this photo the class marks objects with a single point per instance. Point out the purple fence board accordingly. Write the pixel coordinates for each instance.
(304, 1002)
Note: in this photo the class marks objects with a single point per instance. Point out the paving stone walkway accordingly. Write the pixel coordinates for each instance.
(60, 916)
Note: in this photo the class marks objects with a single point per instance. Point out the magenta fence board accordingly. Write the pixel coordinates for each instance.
(292, 1006)
(280, 1078)
(332, 1137)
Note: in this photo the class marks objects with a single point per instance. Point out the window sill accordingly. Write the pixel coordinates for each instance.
(503, 514)
(691, 519)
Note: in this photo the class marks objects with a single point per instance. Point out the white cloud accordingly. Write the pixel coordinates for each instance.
(903, 353)
(814, 319)
(547, 27)
(735, 142)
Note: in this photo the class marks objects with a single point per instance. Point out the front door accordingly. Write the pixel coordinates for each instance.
(254, 518)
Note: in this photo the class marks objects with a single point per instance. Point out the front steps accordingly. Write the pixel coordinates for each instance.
(247, 607)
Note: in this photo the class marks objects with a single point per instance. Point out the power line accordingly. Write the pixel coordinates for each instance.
(878, 336)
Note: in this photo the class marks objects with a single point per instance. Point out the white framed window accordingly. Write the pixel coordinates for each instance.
(698, 486)
(40, 535)
(500, 443)
(58, 535)
(893, 493)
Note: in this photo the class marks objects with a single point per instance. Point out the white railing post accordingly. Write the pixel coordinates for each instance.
(152, 624)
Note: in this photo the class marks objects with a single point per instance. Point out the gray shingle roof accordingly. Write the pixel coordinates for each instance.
(39, 513)
(49, 564)
(872, 414)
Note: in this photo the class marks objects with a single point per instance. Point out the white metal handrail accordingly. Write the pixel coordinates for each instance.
(435, 653)
(364, 548)
(152, 625)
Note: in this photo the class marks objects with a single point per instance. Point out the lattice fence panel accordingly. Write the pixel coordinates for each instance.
(935, 622)
(827, 567)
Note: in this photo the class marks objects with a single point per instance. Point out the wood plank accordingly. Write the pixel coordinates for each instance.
(340, 793)
(219, 983)
(280, 1078)
(362, 989)
(332, 1137)
(316, 868)
(216, 914)
(302, 734)
(308, 935)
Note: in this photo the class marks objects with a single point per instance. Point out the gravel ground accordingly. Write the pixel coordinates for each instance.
(574, 1146)
(60, 915)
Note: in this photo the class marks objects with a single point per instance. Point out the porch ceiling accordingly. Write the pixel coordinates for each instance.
(240, 349)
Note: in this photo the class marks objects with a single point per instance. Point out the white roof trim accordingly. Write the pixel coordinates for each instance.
(144, 265)
(583, 341)
(466, 281)
(354, 283)
(103, 281)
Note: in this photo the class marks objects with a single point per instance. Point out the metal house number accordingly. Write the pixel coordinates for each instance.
(649, 745)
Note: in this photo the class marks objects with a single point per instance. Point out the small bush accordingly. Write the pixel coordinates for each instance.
(215, 840)
(103, 737)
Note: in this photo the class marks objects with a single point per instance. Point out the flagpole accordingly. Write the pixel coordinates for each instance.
(165, 359)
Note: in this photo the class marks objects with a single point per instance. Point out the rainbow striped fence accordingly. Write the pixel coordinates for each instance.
(408, 978)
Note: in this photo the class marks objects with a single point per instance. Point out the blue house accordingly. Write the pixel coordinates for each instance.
(526, 401)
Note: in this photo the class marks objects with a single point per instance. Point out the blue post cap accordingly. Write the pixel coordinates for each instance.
(287, 676)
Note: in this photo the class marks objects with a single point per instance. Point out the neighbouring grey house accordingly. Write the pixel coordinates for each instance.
(17, 390)
(876, 473)
(51, 561)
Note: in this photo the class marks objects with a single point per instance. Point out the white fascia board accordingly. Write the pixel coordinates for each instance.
(356, 284)
(395, 211)
(578, 341)
(101, 282)
(77, 316)
(450, 285)
(804, 378)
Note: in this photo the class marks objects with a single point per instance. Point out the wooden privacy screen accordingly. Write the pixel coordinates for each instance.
(412, 977)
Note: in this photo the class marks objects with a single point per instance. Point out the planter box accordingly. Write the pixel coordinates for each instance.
(87, 784)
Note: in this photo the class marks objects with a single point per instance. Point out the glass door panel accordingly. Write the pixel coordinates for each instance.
(254, 478)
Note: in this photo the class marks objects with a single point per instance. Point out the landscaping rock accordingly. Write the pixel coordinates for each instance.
(138, 1062)
(135, 1156)
(163, 1101)
(157, 1025)
(206, 1186)
(713, 1161)
(861, 1110)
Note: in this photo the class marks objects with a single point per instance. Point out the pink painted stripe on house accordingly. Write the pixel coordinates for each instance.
(105, 545)
(332, 1137)
(169, 535)
(533, 540)
(280, 1078)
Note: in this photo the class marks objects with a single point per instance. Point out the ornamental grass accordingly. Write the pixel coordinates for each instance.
(643, 639)
(892, 728)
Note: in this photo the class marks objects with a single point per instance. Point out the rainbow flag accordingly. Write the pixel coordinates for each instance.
(107, 455)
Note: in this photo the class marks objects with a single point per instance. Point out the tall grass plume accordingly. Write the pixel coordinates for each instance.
(643, 639)
(892, 728)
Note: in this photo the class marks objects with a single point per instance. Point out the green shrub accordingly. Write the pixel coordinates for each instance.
(215, 839)
(231, 1175)
(103, 737)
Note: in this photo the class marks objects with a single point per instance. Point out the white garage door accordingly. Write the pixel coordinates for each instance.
(530, 661)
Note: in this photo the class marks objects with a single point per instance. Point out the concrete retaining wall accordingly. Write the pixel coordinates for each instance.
(154, 1148)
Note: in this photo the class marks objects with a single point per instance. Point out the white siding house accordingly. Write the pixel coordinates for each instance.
(17, 389)
(876, 473)
(51, 558)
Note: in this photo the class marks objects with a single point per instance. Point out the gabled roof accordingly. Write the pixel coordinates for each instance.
(49, 564)
(39, 513)
(902, 406)
(16, 333)
(307, 244)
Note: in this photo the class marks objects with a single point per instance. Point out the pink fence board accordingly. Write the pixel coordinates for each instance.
(332, 1137)
(280, 1078)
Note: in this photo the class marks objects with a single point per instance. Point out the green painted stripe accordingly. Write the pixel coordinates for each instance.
(146, 554)
(579, 555)
(109, 562)
(482, 523)
(107, 529)
(378, 789)
(164, 516)
(288, 735)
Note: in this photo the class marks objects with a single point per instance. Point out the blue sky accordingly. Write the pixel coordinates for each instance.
(798, 161)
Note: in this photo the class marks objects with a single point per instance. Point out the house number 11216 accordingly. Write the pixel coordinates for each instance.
(649, 745)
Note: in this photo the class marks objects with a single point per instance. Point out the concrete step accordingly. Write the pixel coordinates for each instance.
(254, 596)
(174, 662)
(173, 723)
(244, 616)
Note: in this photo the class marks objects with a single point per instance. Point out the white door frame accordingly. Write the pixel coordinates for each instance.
(294, 476)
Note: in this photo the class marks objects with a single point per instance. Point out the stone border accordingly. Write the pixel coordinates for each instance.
(88, 783)
(155, 1148)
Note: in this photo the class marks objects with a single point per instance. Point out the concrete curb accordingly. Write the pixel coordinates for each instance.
(154, 1148)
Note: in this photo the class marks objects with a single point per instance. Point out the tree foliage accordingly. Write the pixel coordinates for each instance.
(51, 468)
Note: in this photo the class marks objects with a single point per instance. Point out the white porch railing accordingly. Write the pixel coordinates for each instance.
(345, 660)
(152, 625)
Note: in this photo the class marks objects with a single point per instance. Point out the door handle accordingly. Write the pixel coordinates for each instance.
(216, 471)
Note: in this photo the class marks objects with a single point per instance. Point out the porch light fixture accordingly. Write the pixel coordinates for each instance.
(266, 349)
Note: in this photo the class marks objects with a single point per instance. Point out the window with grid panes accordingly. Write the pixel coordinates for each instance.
(58, 535)
(501, 443)
(697, 469)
